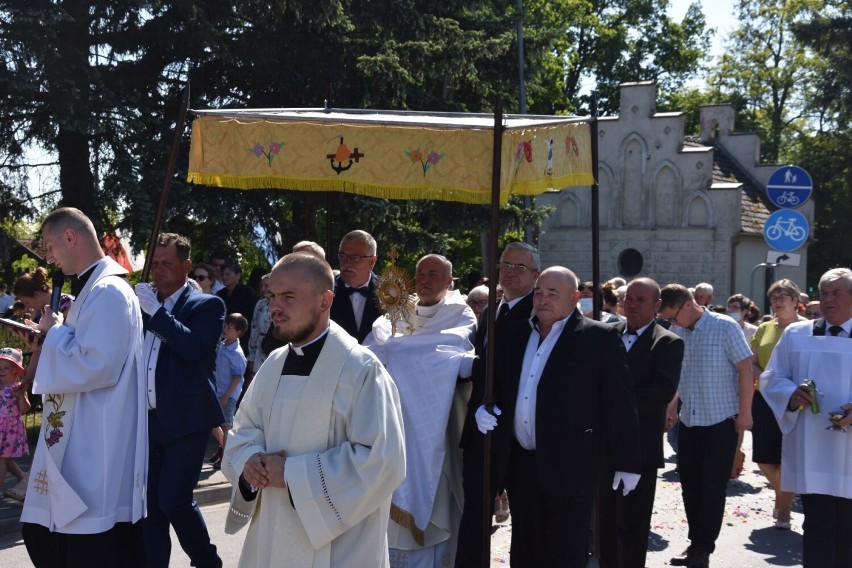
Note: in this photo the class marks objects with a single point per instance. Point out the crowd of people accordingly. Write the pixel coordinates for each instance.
(353, 436)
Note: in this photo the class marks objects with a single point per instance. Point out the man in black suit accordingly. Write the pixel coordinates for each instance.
(182, 330)
(569, 416)
(519, 267)
(354, 308)
(654, 356)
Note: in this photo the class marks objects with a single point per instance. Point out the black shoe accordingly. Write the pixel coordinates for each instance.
(699, 559)
(217, 464)
(682, 559)
(217, 456)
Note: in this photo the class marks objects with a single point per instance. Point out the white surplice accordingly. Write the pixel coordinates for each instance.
(92, 365)
(341, 427)
(813, 459)
(425, 358)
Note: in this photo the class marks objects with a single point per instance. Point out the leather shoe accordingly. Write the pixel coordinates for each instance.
(681, 560)
(699, 559)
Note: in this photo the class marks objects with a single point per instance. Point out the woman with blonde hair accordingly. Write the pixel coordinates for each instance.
(766, 436)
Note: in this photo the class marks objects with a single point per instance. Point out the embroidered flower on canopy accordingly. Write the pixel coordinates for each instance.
(571, 147)
(523, 152)
(426, 160)
(269, 151)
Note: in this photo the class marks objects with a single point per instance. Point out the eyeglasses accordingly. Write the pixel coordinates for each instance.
(472, 303)
(356, 258)
(779, 298)
(509, 267)
(673, 319)
(200, 277)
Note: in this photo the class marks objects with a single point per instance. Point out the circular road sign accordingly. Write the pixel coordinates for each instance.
(789, 187)
(786, 230)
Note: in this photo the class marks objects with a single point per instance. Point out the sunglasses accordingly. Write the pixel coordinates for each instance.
(200, 277)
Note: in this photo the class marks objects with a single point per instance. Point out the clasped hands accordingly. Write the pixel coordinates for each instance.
(263, 470)
(486, 421)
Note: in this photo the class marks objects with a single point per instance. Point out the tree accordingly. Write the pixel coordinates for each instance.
(769, 69)
(609, 42)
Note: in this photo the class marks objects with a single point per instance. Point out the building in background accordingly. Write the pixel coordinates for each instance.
(675, 208)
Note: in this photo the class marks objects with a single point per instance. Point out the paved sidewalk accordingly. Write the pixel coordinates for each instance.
(212, 488)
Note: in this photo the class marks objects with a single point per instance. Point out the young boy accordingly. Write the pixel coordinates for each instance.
(230, 368)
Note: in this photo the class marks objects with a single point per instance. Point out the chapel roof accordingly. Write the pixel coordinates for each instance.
(727, 171)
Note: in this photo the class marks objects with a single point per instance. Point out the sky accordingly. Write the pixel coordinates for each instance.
(719, 14)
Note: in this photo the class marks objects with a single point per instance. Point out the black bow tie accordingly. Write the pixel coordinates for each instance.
(628, 332)
(363, 290)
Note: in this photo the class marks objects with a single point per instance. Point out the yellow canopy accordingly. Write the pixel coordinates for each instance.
(392, 155)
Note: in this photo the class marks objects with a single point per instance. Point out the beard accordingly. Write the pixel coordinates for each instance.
(299, 334)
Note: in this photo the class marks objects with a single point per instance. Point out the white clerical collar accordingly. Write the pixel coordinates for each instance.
(297, 349)
(90, 267)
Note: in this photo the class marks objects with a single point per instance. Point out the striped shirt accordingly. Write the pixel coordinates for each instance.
(709, 381)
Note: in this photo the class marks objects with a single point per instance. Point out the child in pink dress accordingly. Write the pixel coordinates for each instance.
(13, 403)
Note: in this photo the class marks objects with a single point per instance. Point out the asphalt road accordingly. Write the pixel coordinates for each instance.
(747, 539)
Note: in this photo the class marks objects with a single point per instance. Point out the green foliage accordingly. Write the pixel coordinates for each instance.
(24, 264)
(768, 71)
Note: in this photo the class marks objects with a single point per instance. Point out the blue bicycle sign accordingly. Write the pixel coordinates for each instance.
(788, 198)
(789, 186)
(786, 230)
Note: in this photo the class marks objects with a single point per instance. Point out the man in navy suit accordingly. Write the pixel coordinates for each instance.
(519, 266)
(654, 356)
(568, 416)
(354, 308)
(182, 329)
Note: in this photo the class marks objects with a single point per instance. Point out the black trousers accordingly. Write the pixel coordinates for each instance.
(827, 541)
(547, 531)
(119, 547)
(470, 550)
(704, 461)
(625, 521)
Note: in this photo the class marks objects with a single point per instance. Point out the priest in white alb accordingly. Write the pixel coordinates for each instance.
(86, 493)
(317, 445)
(426, 354)
(816, 420)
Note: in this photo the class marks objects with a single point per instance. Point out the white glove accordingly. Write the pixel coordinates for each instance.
(147, 298)
(486, 421)
(631, 480)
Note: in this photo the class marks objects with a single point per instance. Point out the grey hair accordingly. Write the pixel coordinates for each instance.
(529, 249)
(360, 236)
(837, 274)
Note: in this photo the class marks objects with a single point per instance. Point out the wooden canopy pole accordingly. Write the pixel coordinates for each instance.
(167, 182)
(492, 316)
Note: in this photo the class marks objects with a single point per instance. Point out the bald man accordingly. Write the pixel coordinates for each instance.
(568, 415)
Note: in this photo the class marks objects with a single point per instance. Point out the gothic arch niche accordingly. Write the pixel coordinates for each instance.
(606, 215)
(666, 190)
(698, 212)
(568, 212)
(633, 175)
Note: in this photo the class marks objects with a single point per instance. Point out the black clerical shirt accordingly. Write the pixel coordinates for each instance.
(299, 362)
